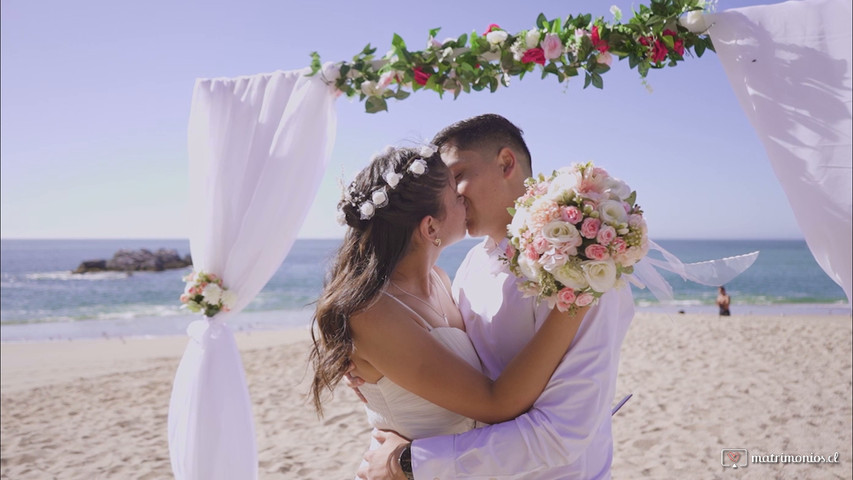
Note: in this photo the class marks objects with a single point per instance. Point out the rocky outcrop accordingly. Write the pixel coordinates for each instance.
(137, 260)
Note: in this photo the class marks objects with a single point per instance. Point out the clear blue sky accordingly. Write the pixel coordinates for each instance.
(96, 97)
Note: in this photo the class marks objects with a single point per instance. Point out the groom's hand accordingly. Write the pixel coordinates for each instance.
(353, 381)
(383, 462)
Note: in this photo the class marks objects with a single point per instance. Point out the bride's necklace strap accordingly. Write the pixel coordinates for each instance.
(428, 304)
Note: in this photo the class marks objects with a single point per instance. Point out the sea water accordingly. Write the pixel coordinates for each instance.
(41, 298)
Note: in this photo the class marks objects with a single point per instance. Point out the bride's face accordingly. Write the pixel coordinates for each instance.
(453, 224)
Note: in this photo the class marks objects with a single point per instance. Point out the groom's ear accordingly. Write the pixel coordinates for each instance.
(507, 161)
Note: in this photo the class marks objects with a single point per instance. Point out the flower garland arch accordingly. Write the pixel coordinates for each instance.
(656, 36)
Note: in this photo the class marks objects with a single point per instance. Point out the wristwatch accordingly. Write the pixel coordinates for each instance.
(406, 462)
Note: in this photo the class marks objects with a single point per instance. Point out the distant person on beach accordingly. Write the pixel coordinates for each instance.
(723, 301)
(389, 310)
(567, 431)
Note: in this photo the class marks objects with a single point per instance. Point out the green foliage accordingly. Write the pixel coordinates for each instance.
(473, 62)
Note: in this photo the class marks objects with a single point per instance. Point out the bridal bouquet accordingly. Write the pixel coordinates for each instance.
(205, 293)
(574, 234)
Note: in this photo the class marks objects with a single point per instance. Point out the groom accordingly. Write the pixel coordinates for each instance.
(566, 434)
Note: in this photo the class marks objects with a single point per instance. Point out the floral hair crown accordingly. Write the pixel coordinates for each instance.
(366, 205)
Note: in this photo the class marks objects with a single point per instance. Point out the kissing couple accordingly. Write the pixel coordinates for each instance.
(474, 379)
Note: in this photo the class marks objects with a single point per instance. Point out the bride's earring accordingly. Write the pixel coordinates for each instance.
(437, 242)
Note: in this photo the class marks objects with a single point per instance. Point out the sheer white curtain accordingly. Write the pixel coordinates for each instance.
(258, 148)
(790, 67)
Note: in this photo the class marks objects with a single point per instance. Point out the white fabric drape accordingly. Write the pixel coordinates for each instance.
(258, 148)
(790, 67)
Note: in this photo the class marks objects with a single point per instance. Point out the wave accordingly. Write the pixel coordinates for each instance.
(66, 275)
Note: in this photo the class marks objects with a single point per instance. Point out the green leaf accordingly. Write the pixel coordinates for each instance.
(632, 198)
(710, 44)
(401, 94)
(597, 81)
(587, 80)
(700, 48)
(633, 60)
(541, 21)
(462, 40)
(433, 31)
(511, 211)
(398, 42)
(375, 104)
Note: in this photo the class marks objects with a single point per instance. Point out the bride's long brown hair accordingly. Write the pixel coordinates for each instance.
(369, 253)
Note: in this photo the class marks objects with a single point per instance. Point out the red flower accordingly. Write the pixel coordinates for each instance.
(659, 51)
(421, 77)
(492, 27)
(597, 42)
(534, 55)
(677, 44)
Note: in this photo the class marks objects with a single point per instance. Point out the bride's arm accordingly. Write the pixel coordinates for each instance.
(400, 349)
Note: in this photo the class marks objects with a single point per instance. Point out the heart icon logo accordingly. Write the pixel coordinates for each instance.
(733, 456)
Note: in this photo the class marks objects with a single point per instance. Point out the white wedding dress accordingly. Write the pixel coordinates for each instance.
(391, 407)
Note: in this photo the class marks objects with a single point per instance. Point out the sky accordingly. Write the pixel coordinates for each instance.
(96, 99)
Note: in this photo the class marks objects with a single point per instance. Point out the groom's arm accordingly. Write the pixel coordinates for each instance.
(561, 424)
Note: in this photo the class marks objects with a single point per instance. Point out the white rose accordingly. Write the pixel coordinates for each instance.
(212, 293)
(366, 209)
(532, 38)
(694, 21)
(559, 232)
(601, 274)
(418, 167)
(229, 298)
(427, 151)
(571, 276)
(496, 37)
(331, 71)
(392, 178)
(528, 267)
(618, 187)
(612, 212)
(380, 199)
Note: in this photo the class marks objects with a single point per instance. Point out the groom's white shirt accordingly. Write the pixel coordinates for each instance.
(567, 432)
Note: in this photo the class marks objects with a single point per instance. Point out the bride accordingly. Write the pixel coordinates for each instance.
(387, 308)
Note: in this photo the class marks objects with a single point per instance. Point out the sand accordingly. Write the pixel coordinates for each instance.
(90, 409)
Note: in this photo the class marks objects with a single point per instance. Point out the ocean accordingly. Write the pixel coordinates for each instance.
(41, 299)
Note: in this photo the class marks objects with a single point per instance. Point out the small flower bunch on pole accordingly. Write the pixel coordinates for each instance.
(205, 292)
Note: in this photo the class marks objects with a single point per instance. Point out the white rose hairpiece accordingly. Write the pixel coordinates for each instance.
(379, 197)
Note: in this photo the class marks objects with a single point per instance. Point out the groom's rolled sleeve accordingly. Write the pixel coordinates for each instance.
(567, 432)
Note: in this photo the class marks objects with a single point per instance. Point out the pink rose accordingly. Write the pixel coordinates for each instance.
(590, 226)
(565, 299)
(573, 214)
(584, 299)
(552, 46)
(606, 235)
(534, 55)
(541, 244)
(531, 253)
(605, 58)
(596, 252)
(185, 298)
(492, 28)
(510, 251)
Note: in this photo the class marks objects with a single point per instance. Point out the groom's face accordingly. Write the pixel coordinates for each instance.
(479, 180)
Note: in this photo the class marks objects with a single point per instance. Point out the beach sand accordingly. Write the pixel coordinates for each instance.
(91, 409)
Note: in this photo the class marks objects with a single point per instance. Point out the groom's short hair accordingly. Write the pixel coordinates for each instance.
(489, 132)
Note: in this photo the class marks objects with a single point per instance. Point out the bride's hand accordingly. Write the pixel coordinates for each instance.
(383, 463)
(353, 381)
